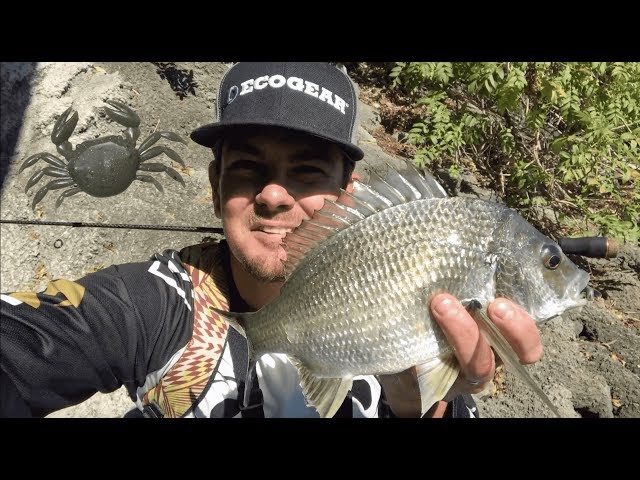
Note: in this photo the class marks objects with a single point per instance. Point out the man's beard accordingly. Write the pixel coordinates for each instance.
(262, 270)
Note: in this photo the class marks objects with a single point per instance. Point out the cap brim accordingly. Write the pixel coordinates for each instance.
(208, 135)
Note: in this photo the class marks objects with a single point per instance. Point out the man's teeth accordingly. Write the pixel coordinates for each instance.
(275, 230)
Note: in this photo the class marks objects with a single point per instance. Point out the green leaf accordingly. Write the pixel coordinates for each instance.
(627, 136)
(492, 80)
(557, 144)
(588, 125)
(603, 68)
(591, 181)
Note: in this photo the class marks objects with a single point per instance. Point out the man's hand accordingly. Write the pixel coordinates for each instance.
(474, 354)
(476, 358)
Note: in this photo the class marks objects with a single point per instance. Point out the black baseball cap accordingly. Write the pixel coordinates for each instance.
(315, 98)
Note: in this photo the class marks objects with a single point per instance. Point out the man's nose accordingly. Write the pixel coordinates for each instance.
(275, 196)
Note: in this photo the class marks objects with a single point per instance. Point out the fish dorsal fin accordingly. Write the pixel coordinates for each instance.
(407, 181)
(396, 188)
(377, 183)
(426, 184)
(370, 196)
(401, 184)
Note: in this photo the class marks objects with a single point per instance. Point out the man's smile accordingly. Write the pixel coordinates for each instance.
(272, 232)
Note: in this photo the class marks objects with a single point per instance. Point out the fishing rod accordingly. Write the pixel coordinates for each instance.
(173, 228)
(594, 247)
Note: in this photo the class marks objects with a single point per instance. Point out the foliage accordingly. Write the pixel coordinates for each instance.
(560, 137)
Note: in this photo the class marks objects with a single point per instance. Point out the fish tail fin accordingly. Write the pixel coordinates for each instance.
(435, 379)
(504, 350)
(326, 395)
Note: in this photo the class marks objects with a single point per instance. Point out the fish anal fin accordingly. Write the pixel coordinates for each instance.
(326, 395)
(349, 214)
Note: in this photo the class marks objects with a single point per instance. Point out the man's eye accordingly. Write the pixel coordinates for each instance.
(308, 170)
(242, 165)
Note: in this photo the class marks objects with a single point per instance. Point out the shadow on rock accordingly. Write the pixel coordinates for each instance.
(15, 94)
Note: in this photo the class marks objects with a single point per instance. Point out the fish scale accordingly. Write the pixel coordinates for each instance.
(334, 343)
(360, 274)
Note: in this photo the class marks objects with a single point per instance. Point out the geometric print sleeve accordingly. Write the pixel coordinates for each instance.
(60, 346)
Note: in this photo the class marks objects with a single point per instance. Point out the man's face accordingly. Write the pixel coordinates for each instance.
(268, 182)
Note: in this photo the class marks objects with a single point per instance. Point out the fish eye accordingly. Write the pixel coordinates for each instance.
(551, 256)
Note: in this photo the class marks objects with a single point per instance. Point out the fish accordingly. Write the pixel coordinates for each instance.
(359, 275)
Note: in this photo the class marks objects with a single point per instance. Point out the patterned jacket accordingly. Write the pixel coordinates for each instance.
(149, 326)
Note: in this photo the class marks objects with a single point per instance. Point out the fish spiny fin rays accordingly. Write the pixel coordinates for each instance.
(309, 235)
(397, 187)
(370, 196)
(330, 219)
(402, 185)
(506, 353)
(378, 184)
(326, 395)
(410, 183)
(435, 379)
(427, 184)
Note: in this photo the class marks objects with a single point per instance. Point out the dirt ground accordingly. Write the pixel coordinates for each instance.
(591, 364)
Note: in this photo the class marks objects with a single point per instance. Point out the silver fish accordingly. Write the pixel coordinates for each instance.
(360, 274)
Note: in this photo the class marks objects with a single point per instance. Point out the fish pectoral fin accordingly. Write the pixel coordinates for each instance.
(326, 395)
(435, 379)
(504, 350)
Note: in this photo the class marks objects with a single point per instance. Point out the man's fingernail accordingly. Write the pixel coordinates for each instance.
(503, 311)
(443, 306)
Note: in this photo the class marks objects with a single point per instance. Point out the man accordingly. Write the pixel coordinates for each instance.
(284, 142)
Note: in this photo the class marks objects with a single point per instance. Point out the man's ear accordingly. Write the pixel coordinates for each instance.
(215, 193)
(354, 176)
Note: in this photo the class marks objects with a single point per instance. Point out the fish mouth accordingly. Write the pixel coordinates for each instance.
(589, 293)
(576, 294)
(575, 303)
(579, 289)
